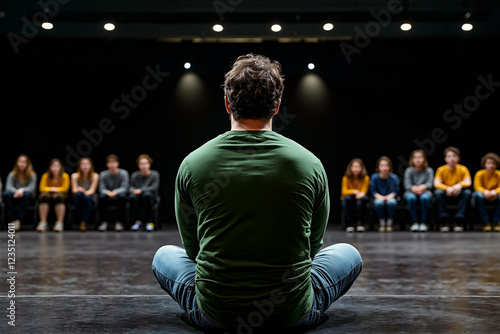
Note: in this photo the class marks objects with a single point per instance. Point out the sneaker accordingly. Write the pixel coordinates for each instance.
(150, 227)
(444, 229)
(381, 229)
(415, 227)
(58, 227)
(350, 229)
(422, 227)
(42, 227)
(83, 226)
(360, 228)
(118, 227)
(17, 225)
(137, 226)
(487, 227)
(497, 227)
(103, 227)
(389, 228)
(458, 229)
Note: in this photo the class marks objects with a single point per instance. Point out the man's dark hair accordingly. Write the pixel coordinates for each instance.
(253, 87)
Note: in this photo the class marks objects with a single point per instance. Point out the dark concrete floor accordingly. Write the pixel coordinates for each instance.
(102, 283)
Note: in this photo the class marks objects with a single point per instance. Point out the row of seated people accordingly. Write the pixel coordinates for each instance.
(451, 184)
(86, 189)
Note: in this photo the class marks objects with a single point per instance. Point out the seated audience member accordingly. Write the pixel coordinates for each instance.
(144, 185)
(451, 183)
(418, 181)
(84, 184)
(54, 187)
(20, 190)
(355, 184)
(487, 190)
(113, 191)
(384, 187)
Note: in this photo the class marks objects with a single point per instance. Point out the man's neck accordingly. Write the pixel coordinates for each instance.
(246, 124)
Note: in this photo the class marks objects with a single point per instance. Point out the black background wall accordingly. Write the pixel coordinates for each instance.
(66, 98)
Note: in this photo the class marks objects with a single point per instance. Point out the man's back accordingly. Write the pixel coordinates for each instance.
(252, 207)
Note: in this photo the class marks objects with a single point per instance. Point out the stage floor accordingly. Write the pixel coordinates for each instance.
(102, 282)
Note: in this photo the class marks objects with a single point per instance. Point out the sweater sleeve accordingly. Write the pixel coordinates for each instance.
(407, 179)
(64, 187)
(9, 183)
(478, 186)
(395, 184)
(321, 212)
(125, 183)
(345, 190)
(44, 187)
(366, 185)
(429, 178)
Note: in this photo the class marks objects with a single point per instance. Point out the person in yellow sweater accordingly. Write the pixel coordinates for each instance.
(487, 188)
(54, 187)
(355, 184)
(451, 183)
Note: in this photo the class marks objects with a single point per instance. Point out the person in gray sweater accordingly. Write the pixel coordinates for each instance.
(418, 178)
(20, 190)
(113, 191)
(144, 185)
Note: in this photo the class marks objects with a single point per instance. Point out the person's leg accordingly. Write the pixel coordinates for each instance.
(348, 202)
(441, 199)
(134, 204)
(463, 201)
(425, 203)
(121, 201)
(175, 273)
(379, 207)
(78, 203)
(481, 207)
(8, 198)
(334, 270)
(496, 215)
(43, 207)
(149, 200)
(411, 201)
(87, 205)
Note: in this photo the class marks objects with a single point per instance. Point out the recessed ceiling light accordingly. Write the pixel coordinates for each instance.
(218, 28)
(467, 27)
(405, 26)
(109, 26)
(276, 27)
(187, 65)
(328, 26)
(47, 25)
(311, 66)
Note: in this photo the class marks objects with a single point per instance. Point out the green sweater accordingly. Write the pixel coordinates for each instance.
(252, 208)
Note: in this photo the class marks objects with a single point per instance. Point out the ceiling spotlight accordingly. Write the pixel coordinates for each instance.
(187, 65)
(47, 25)
(405, 27)
(276, 27)
(310, 66)
(217, 28)
(467, 27)
(328, 26)
(109, 26)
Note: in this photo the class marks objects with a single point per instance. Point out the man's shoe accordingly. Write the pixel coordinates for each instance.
(103, 227)
(389, 228)
(415, 227)
(444, 229)
(150, 227)
(422, 227)
(118, 227)
(458, 229)
(137, 225)
(381, 229)
(42, 227)
(360, 228)
(83, 226)
(497, 227)
(58, 227)
(350, 229)
(17, 224)
(487, 227)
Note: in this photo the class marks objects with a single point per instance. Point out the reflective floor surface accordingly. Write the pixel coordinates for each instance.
(97, 282)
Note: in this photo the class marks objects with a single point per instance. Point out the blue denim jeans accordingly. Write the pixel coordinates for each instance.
(481, 208)
(391, 205)
(462, 201)
(334, 270)
(425, 202)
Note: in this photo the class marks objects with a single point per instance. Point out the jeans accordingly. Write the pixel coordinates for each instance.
(442, 199)
(425, 202)
(481, 208)
(83, 205)
(354, 208)
(334, 270)
(380, 206)
(11, 202)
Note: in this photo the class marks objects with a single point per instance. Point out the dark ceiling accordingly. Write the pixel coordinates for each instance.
(246, 20)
